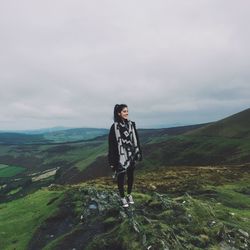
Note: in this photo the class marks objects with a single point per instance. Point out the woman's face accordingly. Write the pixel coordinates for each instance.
(124, 113)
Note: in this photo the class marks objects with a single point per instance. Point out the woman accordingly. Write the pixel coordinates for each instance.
(124, 151)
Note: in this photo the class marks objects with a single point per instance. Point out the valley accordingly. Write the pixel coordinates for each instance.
(192, 190)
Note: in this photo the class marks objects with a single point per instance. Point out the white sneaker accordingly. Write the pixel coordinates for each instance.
(130, 199)
(124, 202)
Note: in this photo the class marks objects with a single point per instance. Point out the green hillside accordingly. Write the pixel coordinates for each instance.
(75, 134)
(20, 218)
(61, 136)
(194, 145)
(222, 142)
(18, 138)
(175, 208)
(80, 160)
(42, 164)
(235, 126)
(9, 171)
(191, 191)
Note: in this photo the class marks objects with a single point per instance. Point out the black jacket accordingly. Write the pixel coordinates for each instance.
(113, 154)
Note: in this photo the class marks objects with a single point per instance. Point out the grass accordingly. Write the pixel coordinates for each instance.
(9, 171)
(183, 207)
(20, 218)
(14, 191)
(74, 134)
(79, 154)
(233, 205)
(90, 155)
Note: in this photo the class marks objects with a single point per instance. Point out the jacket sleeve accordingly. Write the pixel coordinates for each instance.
(138, 142)
(113, 154)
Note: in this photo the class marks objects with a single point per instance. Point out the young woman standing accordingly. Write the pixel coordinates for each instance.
(124, 151)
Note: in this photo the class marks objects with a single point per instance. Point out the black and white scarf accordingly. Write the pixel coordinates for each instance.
(127, 144)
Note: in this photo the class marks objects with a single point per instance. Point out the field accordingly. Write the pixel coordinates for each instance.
(21, 217)
(9, 171)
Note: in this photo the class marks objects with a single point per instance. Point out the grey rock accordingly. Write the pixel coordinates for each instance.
(244, 233)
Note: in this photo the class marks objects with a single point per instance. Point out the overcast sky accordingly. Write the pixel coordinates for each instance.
(67, 63)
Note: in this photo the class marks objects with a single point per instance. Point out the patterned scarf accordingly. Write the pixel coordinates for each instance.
(127, 144)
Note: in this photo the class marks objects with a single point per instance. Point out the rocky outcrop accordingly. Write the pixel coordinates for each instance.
(92, 218)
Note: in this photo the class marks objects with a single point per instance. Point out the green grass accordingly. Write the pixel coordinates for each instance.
(90, 155)
(52, 245)
(20, 218)
(182, 221)
(233, 205)
(196, 150)
(9, 171)
(14, 191)
(81, 154)
(161, 217)
(74, 134)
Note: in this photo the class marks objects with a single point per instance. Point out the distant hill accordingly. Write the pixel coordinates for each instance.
(35, 131)
(75, 134)
(18, 138)
(218, 143)
(235, 126)
(187, 145)
(51, 136)
(223, 142)
(147, 135)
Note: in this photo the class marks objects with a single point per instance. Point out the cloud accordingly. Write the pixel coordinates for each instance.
(173, 62)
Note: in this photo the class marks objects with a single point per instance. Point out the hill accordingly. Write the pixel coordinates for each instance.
(148, 135)
(51, 136)
(76, 161)
(35, 131)
(187, 145)
(222, 142)
(235, 126)
(175, 208)
(74, 134)
(18, 138)
(191, 191)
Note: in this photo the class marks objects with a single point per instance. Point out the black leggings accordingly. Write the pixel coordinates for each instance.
(121, 180)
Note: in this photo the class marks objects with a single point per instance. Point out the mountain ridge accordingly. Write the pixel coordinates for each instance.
(233, 126)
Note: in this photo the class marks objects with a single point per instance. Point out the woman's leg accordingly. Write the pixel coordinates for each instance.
(120, 183)
(130, 176)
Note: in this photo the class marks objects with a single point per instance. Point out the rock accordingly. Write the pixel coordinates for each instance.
(152, 187)
(147, 220)
(135, 227)
(245, 234)
(81, 218)
(225, 246)
(211, 223)
(144, 240)
(204, 237)
(55, 187)
(165, 247)
(123, 214)
(93, 205)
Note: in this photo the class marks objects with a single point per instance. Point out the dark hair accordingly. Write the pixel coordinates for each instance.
(117, 109)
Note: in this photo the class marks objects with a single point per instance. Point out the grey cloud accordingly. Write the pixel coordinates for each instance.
(173, 62)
